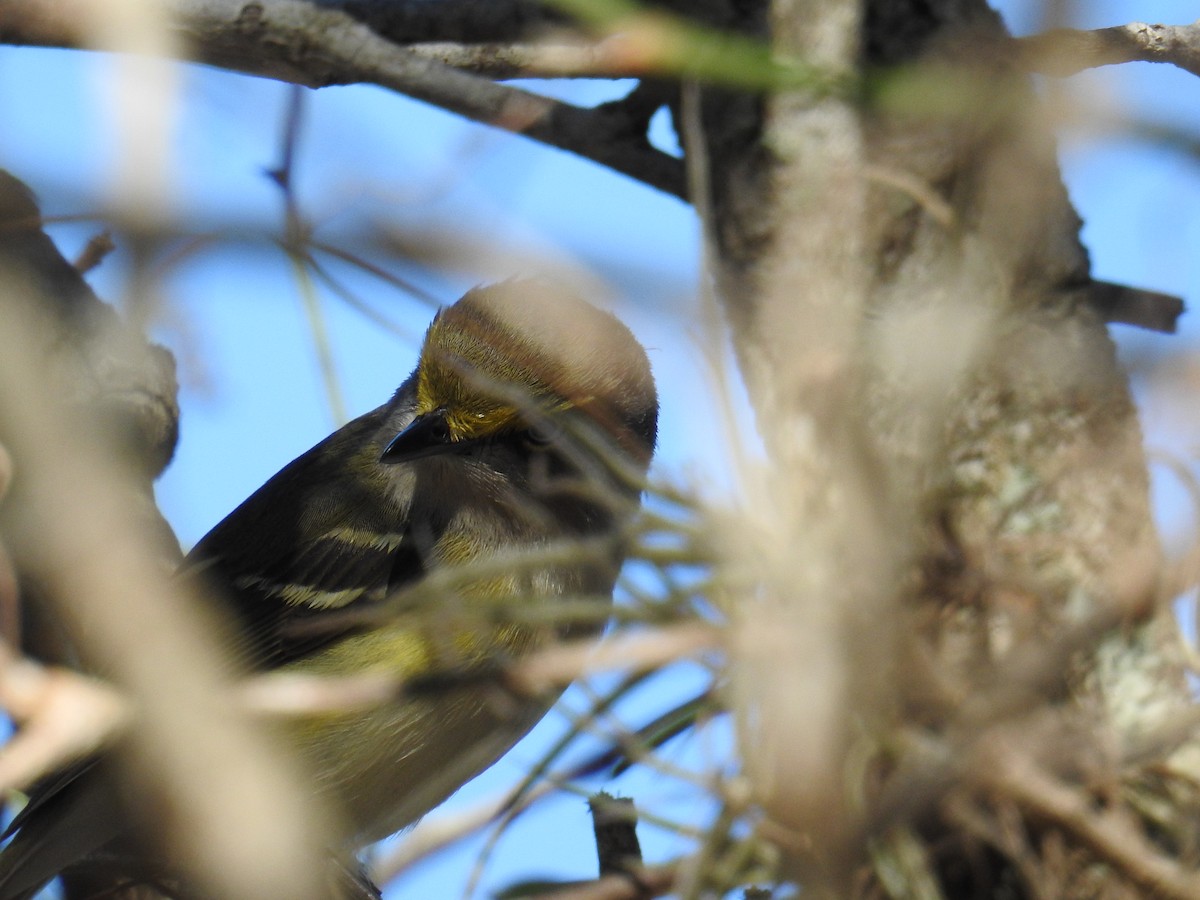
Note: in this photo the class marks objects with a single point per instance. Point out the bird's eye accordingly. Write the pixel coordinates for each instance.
(439, 431)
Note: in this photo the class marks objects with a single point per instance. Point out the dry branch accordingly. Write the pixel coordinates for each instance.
(63, 365)
(302, 43)
(643, 885)
(1112, 834)
(547, 59)
(1066, 51)
(63, 717)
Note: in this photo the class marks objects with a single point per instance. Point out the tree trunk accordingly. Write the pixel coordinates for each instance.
(961, 569)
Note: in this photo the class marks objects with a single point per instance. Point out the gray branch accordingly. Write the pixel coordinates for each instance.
(315, 45)
(465, 21)
(1066, 51)
(558, 59)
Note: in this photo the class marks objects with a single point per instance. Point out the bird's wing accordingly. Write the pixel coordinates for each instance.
(77, 795)
(306, 553)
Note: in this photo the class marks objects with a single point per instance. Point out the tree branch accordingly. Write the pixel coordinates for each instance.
(579, 58)
(614, 821)
(1135, 306)
(468, 21)
(1066, 51)
(303, 43)
(646, 883)
(64, 716)
(1110, 833)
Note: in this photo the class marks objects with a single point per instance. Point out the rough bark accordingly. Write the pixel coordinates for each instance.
(938, 319)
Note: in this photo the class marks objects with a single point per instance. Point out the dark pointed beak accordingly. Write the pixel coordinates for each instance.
(426, 435)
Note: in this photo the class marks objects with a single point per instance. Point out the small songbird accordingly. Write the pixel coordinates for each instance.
(431, 537)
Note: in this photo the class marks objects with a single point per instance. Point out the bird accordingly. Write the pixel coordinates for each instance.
(429, 541)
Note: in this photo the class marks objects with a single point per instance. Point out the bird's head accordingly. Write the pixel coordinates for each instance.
(524, 360)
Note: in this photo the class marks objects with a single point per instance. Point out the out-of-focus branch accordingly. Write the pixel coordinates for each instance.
(550, 59)
(1112, 834)
(303, 43)
(189, 745)
(437, 832)
(649, 882)
(811, 563)
(64, 716)
(290, 694)
(1005, 695)
(614, 822)
(642, 651)
(134, 382)
(98, 247)
(469, 21)
(1066, 51)
(1153, 310)
(76, 391)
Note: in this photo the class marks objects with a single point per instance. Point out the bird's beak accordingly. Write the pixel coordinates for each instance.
(426, 435)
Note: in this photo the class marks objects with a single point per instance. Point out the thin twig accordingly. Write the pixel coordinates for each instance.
(295, 244)
(293, 694)
(302, 43)
(1066, 51)
(1012, 688)
(917, 190)
(98, 247)
(647, 883)
(439, 832)
(578, 58)
(614, 822)
(64, 717)
(1111, 834)
(563, 663)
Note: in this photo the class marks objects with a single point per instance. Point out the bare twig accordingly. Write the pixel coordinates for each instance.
(284, 694)
(1066, 51)
(578, 58)
(297, 231)
(1014, 687)
(64, 717)
(293, 694)
(1111, 834)
(562, 664)
(614, 821)
(646, 883)
(1135, 306)
(79, 537)
(913, 187)
(301, 43)
(98, 247)
(438, 832)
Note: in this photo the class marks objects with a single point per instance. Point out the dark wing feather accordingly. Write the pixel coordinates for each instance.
(308, 550)
(78, 797)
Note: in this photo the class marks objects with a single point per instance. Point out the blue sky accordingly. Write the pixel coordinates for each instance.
(252, 396)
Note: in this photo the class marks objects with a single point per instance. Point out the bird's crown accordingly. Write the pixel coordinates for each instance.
(507, 353)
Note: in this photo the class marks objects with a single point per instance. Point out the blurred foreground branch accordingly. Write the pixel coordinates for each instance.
(63, 717)
(74, 498)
